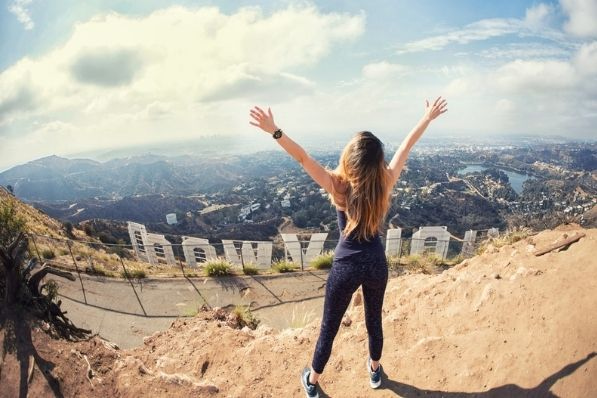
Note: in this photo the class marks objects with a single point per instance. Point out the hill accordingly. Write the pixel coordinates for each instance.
(36, 221)
(502, 324)
(54, 178)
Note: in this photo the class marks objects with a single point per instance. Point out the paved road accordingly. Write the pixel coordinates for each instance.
(125, 311)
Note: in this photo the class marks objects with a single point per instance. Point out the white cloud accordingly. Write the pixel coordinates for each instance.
(384, 69)
(586, 59)
(20, 9)
(525, 51)
(535, 23)
(538, 16)
(480, 30)
(535, 76)
(550, 96)
(582, 16)
(171, 71)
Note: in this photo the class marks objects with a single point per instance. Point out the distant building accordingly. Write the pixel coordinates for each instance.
(171, 218)
(285, 203)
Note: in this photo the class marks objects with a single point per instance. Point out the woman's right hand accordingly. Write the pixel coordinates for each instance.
(433, 111)
(265, 121)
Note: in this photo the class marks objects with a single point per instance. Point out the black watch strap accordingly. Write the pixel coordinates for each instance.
(277, 134)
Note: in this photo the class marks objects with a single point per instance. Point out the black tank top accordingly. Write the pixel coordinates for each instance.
(349, 246)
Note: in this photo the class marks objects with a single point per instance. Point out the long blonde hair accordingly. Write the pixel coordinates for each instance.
(363, 173)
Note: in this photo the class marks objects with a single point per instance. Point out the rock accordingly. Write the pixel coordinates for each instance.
(346, 321)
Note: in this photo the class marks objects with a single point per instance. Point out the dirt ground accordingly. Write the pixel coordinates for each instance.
(503, 324)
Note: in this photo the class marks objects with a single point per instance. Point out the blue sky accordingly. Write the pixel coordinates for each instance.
(78, 76)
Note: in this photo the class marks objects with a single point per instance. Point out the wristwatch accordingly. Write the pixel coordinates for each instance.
(277, 134)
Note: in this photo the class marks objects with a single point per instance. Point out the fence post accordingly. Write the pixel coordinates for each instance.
(242, 258)
(133, 286)
(68, 243)
(302, 260)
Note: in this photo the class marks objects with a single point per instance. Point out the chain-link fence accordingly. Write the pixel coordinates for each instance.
(188, 259)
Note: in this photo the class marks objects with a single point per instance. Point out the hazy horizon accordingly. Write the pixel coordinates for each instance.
(232, 145)
(103, 77)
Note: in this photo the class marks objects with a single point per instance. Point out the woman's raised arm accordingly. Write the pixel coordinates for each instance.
(265, 121)
(431, 112)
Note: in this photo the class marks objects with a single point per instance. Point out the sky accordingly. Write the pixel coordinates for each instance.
(82, 76)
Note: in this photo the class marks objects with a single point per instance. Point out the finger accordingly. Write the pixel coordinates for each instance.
(254, 124)
(427, 103)
(261, 111)
(442, 103)
(257, 118)
(437, 100)
(444, 111)
(269, 112)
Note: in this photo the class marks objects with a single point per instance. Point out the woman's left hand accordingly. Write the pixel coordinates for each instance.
(265, 121)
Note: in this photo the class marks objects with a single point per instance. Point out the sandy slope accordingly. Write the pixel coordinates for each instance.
(504, 324)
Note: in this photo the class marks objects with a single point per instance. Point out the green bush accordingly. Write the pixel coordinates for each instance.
(11, 223)
(217, 268)
(250, 269)
(284, 266)
(323, 261)
(48, 254)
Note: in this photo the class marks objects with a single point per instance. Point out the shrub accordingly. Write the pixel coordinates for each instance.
(250, 269)
(133, 273)
(68, 229)
(242, 316)
(11, 223)
(323, 261)
(511, 236)
(98, 269)
(217, 268)
(48, 254)
(284, 266)
(425, 263)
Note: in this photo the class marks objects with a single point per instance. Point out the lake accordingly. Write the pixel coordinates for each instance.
(516, 179)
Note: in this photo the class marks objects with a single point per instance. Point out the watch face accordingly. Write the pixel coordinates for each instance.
(277, 134)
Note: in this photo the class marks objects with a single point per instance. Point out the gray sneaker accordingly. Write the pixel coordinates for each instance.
(310, 389)
(374, 375)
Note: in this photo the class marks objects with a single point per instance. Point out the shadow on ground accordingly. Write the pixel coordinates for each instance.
(505, 391)
(17, 340)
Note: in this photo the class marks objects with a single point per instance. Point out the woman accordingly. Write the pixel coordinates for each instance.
(360, 188)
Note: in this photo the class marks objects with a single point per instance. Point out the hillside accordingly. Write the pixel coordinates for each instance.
(36, 221)
(502, 324)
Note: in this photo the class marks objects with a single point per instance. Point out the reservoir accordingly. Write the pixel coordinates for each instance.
(516, 179)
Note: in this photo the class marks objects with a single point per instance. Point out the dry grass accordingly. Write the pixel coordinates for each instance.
(509, 237)
(250, 269)
(299, 318)
(217, 268)
(242, 316)
(284, 266)
(323, 261)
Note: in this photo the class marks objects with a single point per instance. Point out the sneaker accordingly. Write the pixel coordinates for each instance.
(310, 389)
(374, 376)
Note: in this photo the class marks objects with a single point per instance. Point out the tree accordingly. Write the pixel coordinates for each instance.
(20, 279)
(68, 228)
(11, 224)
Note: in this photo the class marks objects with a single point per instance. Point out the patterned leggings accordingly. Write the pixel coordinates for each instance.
(369, 270)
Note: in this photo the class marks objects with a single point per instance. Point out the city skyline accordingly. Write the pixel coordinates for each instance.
(77, 77)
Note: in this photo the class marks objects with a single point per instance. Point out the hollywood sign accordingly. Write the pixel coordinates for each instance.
(155, 248)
